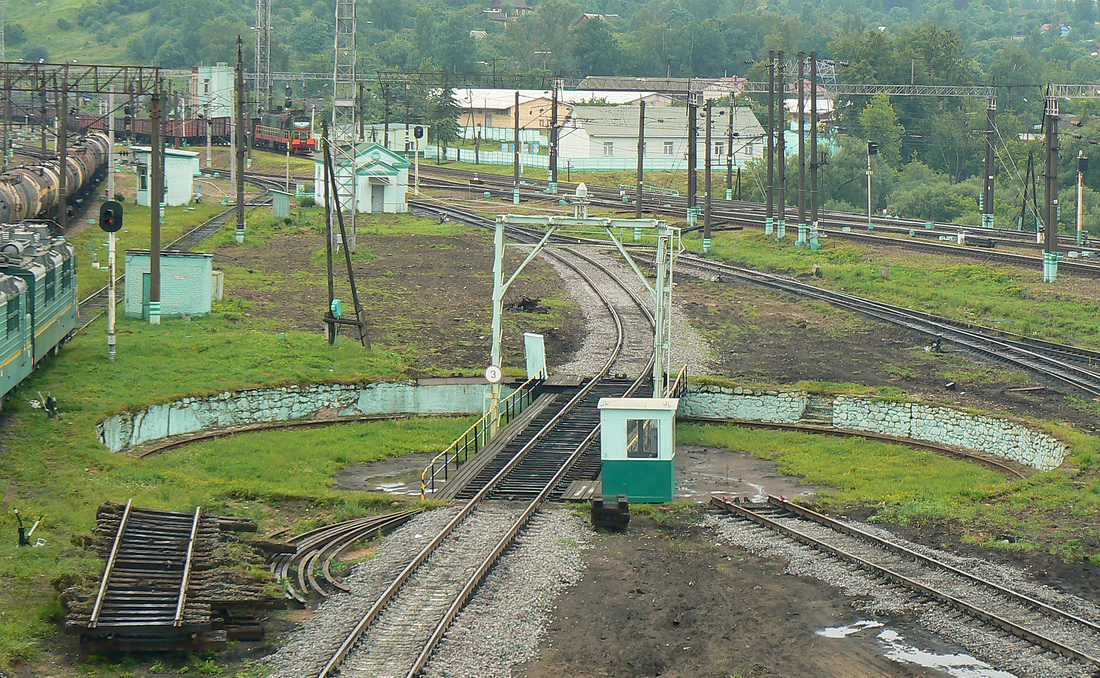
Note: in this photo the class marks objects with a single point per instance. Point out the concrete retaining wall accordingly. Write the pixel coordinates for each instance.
(190, 415)
(942, 425)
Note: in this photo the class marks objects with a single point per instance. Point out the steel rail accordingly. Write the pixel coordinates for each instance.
(1027, 358)
(431, 173)
(900, 550)
(103, 584)
(185, 578)
(365, 622)
(1082, 379)
(352, 639)
(907, 582)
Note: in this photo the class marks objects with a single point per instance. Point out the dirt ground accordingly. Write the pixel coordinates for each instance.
(425, 296)
(665, 599)
(767, 337)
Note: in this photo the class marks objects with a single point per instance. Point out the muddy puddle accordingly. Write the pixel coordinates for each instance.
(913, 652)
(703, 471)
(396, 475)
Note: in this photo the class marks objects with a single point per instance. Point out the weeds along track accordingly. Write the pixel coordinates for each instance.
(1013, 612)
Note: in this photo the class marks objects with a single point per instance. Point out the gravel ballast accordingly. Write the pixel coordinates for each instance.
(876, 597)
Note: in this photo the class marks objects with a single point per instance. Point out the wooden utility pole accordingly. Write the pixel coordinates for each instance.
(641, 160)
(707, 158)
(332, 199)
(239, 115)
(156, 197)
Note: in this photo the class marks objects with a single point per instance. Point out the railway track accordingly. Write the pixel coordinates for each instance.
(143, 592)
(401, 628)
(1067, 366)
(838, 225)
(317, 549)
(1039, 623)
(1072, 367)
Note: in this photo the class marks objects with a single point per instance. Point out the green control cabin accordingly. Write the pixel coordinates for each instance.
(638, 448)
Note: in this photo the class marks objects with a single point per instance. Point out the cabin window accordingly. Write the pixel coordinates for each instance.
(51, 282)
(641, 439)
(668, 148)
(13, 317)
(143, 177)
(66, 274)
(608, 148)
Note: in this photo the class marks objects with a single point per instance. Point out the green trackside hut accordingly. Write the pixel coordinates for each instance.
(186, 283)
(638, 448)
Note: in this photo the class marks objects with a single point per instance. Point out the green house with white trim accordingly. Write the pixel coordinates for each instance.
(638, 448)
(382, 178)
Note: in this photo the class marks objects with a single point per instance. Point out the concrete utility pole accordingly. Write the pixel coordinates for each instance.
(239, 115)
(769, 223)
(1082, 165)
(990, 140)
(63, 158)
(801, 241)
(553, 175)
(729, 152)
(43, 119)
(111, 337)
(815, 161)
(641, 160)
(1050, 231)
(707, 176)
(156, 198)
(515, 152)
(781, 203)
(693, 155)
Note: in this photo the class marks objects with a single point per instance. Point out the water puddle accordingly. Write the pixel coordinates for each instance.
(703, 471)
(897, 649)
(395, 475)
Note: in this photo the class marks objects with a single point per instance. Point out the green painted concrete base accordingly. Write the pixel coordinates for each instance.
(769, 226)
(641, 480)
(801, 241)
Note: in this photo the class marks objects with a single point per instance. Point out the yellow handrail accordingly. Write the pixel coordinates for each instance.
(676, 383)
(473, 428)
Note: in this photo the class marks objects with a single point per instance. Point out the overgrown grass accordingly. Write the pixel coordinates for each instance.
(1052, 511)
(1005, 296)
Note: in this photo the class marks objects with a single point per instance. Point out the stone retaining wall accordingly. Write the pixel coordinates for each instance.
(942, 425)
(459, 396)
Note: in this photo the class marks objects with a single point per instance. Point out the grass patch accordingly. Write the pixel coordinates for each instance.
(1009, 297)
(1053, 511)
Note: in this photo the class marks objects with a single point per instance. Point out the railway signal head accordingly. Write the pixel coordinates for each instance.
(418, 132)
(110, 216)
(872, 148)
(1082, 164)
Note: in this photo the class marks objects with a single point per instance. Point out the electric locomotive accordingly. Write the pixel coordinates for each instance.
(38, 302)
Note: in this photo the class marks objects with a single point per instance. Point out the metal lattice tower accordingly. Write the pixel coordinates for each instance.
(344, 108)
(263, 53)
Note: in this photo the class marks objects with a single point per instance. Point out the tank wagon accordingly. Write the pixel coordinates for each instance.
(38, 303)
(32, 190)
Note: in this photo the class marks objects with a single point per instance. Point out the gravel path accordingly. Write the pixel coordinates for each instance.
(1005, 652)
(311, 644)
(507, 617)
(688, 345)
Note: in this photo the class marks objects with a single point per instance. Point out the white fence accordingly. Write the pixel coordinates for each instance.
(659, 164)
